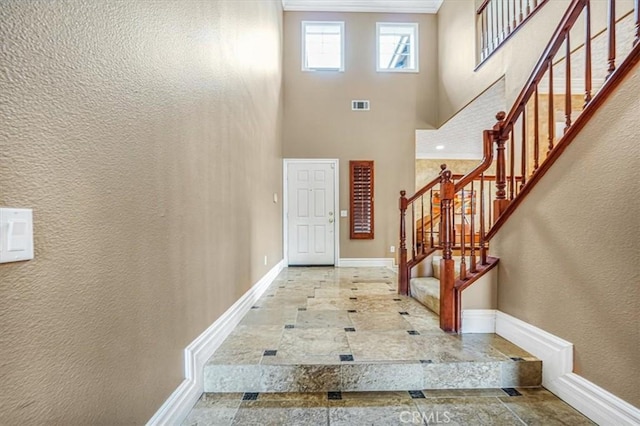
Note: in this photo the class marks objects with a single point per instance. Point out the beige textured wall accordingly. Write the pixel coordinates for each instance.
(146, 136)
(319, 122)
(460, 83)
(569, 254)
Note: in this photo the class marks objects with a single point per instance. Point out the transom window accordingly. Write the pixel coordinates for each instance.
(397, 47)
(322, 46)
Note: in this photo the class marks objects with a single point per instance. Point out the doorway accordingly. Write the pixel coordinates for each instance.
(310, 211)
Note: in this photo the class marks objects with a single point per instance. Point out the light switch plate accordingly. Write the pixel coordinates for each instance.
(16, 235)
(343, 213)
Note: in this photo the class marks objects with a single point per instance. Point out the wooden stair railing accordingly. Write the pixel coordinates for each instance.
(522, 146)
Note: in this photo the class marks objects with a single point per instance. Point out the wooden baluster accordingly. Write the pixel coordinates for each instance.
(637, 17)
(473, 267)
(535, 4)
(536, 131)
(501, 201)
(403, 276)
(508, 2)
(431, 218)
(504, 20)
(567, 91)
(523, 157)
(482, 35)
(414, 241)
(483, 248)
(490, 207)
(512, 163)
(611, 35)
(422, 236)
(521, 9)
(528, 7)
(514, 23)
(447, 264)
(463, 245)
(495, 25)
(587, 54)
(551, 116)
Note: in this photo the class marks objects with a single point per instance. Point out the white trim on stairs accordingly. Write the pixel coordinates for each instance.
(176, 408)
(354, 262)
(478, 321)
(556, 354)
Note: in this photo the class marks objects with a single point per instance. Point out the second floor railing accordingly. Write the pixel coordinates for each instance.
(497, 19)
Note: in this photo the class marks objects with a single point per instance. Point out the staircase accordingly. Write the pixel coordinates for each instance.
(521, 147)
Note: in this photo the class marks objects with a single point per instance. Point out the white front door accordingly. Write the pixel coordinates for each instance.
(311, 213)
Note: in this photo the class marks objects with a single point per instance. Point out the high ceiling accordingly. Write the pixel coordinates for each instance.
(385, 6)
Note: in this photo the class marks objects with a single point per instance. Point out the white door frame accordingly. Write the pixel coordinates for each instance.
(285, 203)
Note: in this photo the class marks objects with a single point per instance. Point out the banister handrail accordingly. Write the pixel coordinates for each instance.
(558, 38)
(423, 190)
(487, 159)
(482, 7)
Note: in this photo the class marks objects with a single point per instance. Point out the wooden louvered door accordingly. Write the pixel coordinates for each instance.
(361, 202)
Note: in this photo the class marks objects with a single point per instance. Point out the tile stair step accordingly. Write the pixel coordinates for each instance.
(372, 376)
(426, 290)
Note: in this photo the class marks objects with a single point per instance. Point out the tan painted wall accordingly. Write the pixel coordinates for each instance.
(569, 254)
(319, 122)
(146, 136)
(460, 82)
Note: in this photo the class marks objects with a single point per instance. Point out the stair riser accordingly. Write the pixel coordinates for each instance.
(372, 377)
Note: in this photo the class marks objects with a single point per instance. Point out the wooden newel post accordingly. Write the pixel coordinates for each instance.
(447, 265)
(403, 272)
(501, 202)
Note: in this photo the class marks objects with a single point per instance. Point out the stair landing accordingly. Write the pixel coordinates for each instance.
(346, 329)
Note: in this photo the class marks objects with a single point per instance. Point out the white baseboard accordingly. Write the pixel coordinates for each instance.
(556, 354)
(478, 321)
(353, 262)
(176, 408)
(599, 405)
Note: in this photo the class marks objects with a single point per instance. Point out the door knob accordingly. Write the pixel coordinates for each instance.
(331, 220)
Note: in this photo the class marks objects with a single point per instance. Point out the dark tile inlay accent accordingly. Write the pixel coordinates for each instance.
(416, 394)
(270, 352)
(345, 358)
(281, 286)
(351, 311)
(413, 332)
(302, 309)
(511, 391)
(311, 297)
(391, 289)
(269, 295)
(334, 395)
(354, 289)
(403, 313)
(397, 300)
(255, 307)
(516, 358)
(250, 396)
(353, 298)
(288, 326)
(348, 329)
(426, 361)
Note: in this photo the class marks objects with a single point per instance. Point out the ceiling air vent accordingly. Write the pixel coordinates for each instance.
(360, 105)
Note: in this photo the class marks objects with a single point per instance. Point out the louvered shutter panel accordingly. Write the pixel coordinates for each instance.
(361, 182)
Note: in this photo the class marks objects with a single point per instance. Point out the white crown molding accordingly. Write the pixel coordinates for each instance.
(176, 408)
(382, 6)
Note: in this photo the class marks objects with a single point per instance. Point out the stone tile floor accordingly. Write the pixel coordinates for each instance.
(318, 331)
(526, 406)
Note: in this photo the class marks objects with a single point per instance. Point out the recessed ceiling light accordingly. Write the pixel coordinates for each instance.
(439, 146)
